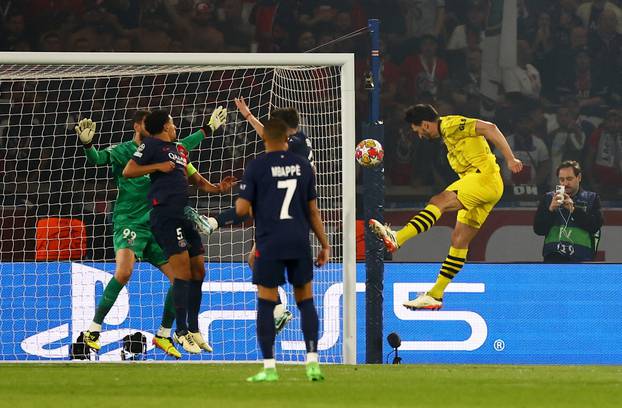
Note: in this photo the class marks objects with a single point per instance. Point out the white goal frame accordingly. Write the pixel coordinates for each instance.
(345, 61)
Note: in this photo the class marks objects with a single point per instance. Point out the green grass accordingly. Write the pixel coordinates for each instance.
(223, 385)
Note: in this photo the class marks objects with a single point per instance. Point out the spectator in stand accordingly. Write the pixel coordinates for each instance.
(604, 158)
(529, 149)
(401, 167)
(470, 34)
(524, 78)
(237, 31)
(568, 141)
(605, 45)
(51, 42)
(570, 222)
(424, 17)
(590, 12)
(583, 83)
(306, 41)
(15, 32)
(425, 71)
(465, 84)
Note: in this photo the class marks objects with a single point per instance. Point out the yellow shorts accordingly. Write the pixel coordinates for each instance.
(478, 193)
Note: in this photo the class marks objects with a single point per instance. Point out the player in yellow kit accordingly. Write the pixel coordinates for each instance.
(474, 195)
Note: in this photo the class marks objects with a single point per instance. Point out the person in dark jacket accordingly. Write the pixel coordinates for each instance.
(569, 218)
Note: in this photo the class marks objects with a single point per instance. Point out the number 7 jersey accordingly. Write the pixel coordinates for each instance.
(279, 186)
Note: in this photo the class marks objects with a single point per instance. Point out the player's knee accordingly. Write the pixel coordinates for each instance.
(197, 270)
(444, 200)
(123, 275)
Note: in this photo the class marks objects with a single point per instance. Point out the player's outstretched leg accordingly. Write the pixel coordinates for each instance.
(162, 339)
(265, 335)
(385, 233)
(205, 225)
(418, 224)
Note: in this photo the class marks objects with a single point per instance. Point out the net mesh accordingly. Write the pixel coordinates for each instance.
(50, 285)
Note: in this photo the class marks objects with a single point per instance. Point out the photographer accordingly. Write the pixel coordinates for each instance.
(569, 218)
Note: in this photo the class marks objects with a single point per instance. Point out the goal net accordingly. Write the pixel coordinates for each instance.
(57, 247)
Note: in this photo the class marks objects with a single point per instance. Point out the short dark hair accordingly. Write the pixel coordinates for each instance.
(418, 113)
(275, 129)
(155, 121)
(287, 115)
(139, 116)
(573, 164)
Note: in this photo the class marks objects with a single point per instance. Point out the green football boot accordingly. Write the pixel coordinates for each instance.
(313, 372)
(265, 375)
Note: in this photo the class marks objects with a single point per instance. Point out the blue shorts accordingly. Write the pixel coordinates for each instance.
(270, 273)
(174, 233)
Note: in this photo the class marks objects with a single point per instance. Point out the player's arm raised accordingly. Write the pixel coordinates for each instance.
(195, 178)
(318, 229)
(248, 116)
(85, 129)
(491, 132)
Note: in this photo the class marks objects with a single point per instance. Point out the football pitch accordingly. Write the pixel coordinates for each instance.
(223, 385)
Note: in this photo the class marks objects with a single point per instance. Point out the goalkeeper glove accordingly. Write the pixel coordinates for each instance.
(218, 119)
(85, 129)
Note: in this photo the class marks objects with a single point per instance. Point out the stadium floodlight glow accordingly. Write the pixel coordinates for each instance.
(45, 94)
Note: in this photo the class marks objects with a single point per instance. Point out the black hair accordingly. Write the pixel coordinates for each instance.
(155, 121)
(275, 129)
(418, 113)
(570, 164)
(287, 115)
(139, 115)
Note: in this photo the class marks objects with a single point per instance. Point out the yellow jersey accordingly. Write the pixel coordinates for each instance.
(467, 152)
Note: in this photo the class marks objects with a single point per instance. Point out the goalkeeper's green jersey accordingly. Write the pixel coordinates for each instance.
(131, 205)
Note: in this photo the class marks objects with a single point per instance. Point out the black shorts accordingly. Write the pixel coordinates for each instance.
(174, 233)
(270, 273)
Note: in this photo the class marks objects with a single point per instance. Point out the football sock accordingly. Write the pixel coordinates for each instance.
(229, 217)
(418, 224)
(265, 327)
(180, 298)
(111, 292)
(164, 332)
(310, 324)
(194, 305)
(168, 314)
(450, 268)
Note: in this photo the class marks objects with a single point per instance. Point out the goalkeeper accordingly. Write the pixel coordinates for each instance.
(298, 143)
(132, 229)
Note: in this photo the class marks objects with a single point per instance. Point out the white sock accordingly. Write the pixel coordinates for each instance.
(269, 363)
(94, 327)
(311, 357)
(164, 332)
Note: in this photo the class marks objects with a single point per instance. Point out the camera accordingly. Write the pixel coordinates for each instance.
(559, 193)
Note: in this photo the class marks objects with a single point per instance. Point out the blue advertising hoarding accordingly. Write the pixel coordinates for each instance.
(494, 313)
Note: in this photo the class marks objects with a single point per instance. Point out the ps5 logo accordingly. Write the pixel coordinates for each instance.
(479, 329)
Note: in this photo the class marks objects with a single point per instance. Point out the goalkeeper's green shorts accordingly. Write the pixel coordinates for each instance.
(141, 241)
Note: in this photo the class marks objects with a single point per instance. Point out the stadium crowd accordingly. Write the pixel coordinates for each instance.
(562, 101)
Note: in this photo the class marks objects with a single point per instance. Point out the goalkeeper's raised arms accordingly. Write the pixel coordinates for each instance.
(85, 129)
(218, 119)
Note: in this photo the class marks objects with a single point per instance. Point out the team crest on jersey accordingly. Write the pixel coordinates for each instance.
(182, 243)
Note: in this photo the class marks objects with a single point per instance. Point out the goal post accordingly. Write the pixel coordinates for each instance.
(46, 302)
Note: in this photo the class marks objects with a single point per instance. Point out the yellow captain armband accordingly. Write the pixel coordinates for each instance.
(190, 169)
